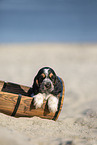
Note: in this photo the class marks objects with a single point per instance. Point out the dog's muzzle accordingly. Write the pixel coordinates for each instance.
(46, 86)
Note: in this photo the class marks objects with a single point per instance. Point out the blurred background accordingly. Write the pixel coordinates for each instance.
(61, 34)
(37, 33)
(48, 21)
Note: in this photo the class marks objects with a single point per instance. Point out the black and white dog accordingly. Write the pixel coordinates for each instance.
(46, 86)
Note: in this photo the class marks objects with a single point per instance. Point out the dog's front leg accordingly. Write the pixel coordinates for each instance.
(52, 103)
(38, 100)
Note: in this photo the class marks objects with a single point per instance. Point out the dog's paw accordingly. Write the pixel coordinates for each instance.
(52, 103)
(38, 100)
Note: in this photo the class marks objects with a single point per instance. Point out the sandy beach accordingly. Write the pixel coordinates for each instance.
(77, 65)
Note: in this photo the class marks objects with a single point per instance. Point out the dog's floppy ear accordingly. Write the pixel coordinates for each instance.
(57, 87)
(35, 86)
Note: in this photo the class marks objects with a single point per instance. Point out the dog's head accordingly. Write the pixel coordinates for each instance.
(45, 81)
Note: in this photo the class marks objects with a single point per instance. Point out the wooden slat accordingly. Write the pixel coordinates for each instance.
(26, 108)
(14, 88)
(1, 85)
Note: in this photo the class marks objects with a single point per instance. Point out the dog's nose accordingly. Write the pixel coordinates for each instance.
(48, 85)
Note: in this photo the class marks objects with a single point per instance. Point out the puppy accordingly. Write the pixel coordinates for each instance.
(46, 86)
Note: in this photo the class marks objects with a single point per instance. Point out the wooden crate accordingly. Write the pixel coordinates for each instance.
(15, 101)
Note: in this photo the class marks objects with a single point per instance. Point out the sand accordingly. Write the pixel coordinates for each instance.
(77, 65)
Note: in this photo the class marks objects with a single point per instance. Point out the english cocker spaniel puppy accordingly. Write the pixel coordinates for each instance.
(46, 86)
